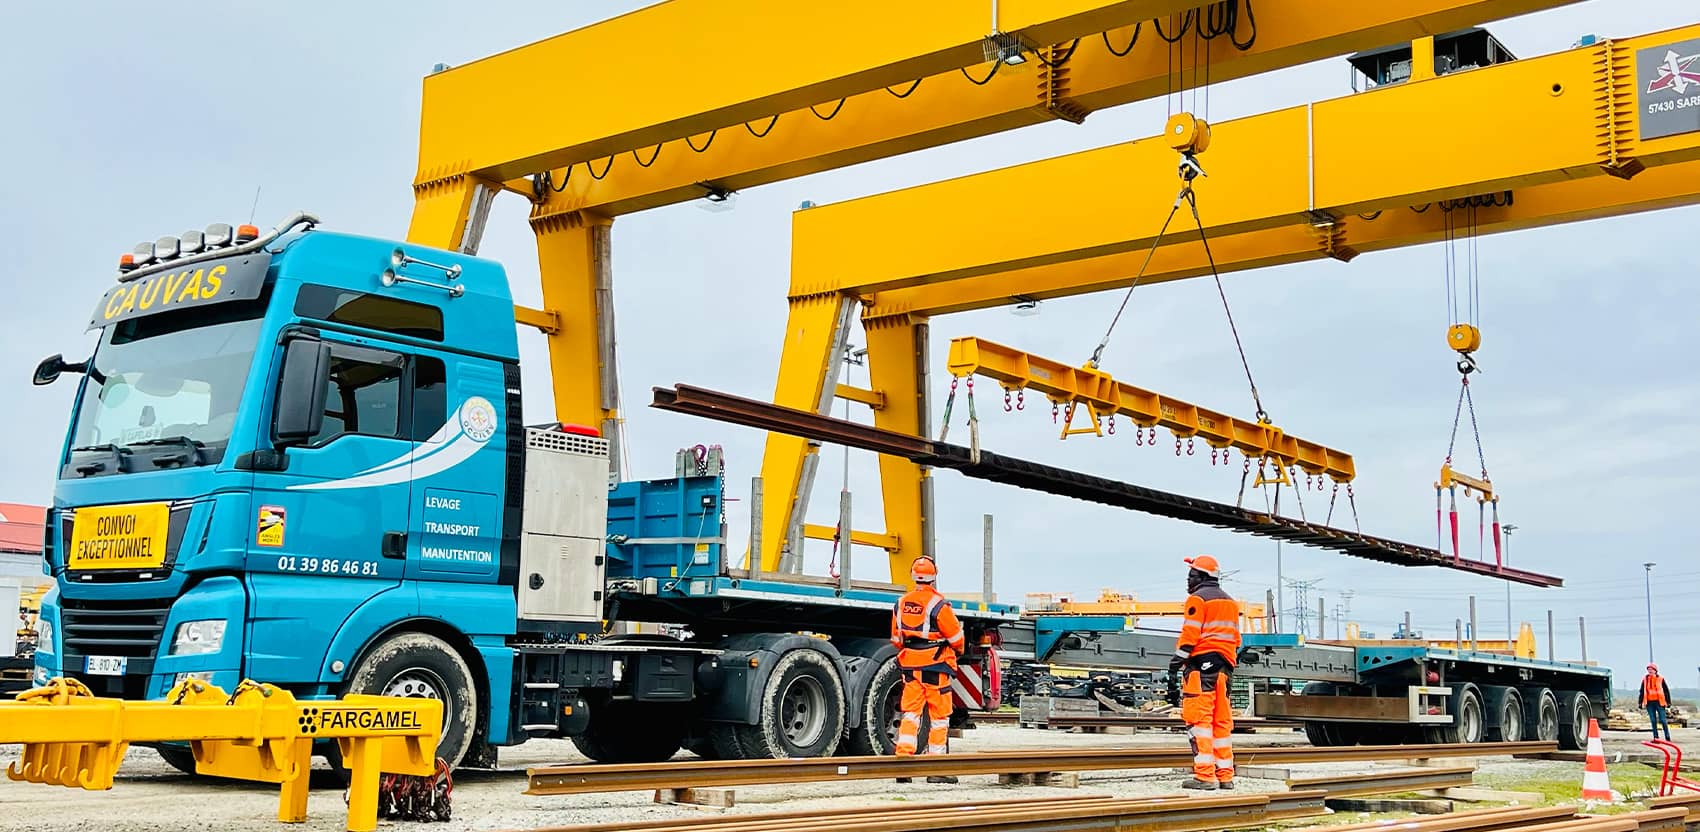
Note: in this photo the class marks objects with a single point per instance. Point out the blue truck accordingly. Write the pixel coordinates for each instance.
(298, 457)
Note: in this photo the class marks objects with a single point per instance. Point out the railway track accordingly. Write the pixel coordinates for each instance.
(1164, 814)
(1114, 721)
(581, 779)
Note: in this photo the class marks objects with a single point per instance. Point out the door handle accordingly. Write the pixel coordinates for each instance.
(395, 545)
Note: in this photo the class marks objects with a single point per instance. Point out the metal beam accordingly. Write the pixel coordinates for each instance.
(1534, 207)
(1034, 476)
(947, 108)
(687, 67)
(1102, 396)
(1305, 166)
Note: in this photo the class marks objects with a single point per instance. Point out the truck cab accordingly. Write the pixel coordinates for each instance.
(298, 457)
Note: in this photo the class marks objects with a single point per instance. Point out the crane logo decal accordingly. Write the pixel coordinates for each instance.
(1669, 86)
(1675, 74)
(462, 435)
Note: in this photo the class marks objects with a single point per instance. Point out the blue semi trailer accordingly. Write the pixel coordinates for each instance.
(298, 457)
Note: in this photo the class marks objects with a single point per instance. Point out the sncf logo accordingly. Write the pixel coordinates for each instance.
(912, 608)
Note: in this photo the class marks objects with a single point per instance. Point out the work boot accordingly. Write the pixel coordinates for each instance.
(1225, 784)
(1201, 785)
(941, 778)
(905, 779)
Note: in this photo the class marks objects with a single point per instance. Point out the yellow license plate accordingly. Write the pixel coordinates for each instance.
(119, 537)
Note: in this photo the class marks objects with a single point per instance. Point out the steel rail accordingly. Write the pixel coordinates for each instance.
(713, 822)
(580, 779)
(1382, 782)
(1169, 814)
(1036, 476)
(1477, 820)
(1117, 721)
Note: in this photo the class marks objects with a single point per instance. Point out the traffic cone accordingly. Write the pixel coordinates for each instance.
(1595, 785)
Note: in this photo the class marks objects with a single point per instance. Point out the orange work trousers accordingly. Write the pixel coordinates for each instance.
(926, 690)
(1210, 720)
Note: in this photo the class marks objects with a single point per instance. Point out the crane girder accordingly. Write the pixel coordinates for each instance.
(1391, 147)
(1101, 395)
(1668, 186)
(686, 67)
(947, 108)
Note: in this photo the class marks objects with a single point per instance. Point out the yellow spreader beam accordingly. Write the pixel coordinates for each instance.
(1102, 396)
(261, 733)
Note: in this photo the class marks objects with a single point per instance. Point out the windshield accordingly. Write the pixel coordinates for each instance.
(167, 385)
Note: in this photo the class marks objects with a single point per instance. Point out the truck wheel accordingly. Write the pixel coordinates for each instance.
(420, 666)
(802, 709)
(631, 732)
(1573, 713)
(1506, 705)
(1540, 715)
(877, 735)
(1467, 717)
(724, 742)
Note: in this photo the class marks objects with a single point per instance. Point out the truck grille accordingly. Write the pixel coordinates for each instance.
(113, 628)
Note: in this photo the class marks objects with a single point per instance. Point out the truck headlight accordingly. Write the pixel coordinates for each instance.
(44, 637)
(197, 637)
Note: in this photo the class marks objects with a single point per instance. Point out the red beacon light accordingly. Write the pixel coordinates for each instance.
(578, 430)
(247, 233)
(126, 262)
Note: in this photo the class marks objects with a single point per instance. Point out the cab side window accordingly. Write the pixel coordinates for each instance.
(363, 394)
(430, 397)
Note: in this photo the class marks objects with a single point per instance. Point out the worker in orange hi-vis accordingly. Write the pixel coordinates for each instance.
(928, 639)
(1204, 658)
(1655, 697)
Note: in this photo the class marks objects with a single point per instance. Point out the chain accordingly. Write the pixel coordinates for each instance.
(949, 402)
(1098, 352)
(1458, 413)
(1245, 473)
(973, 426)
(1354, 503)
(1480, 456)
(1256, 400)
(1298, 494)
(1331, 497)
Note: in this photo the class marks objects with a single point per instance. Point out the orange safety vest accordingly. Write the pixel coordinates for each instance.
(1212, 625)
(925, 630)
(1653, 690)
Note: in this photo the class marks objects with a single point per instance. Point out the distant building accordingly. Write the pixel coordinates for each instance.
(22, 529)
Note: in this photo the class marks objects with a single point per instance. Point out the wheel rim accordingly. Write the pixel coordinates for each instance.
(802, 711)
(1511, 722)
(418, 683)
(1549, 720)
(893, 713)
(1579, 725)
(1470, 721)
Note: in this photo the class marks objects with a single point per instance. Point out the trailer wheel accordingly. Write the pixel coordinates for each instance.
(420, 666)
(1506, 706)
(802, 709)
(179, 757)
(1573, 715)
(621, 731)
(1467, 717)
(877, 735)
(1540, 715)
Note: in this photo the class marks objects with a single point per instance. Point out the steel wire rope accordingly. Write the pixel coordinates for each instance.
(1257, 400)
(1098, 352)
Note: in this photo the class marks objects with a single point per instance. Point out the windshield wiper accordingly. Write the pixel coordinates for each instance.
(191, 450)
(90, 468)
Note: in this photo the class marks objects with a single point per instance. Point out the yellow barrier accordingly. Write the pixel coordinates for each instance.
(258, 732)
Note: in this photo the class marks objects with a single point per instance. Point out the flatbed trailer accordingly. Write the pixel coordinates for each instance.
(1346, 694)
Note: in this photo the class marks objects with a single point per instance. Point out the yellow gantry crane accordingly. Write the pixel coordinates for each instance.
(1295, 184)
(615, 118)
(619, 116)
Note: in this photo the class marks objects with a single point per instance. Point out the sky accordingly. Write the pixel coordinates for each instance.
(1589, 401)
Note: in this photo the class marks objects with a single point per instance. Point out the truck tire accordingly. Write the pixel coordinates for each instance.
(631, 732)
(724, 742)
(178, 757)
(1574, 711)
(1540, 715)
(1505, 712)
(1320, 734)
(877, 735)
(417, 665)
(802, 709)
(1468, 717)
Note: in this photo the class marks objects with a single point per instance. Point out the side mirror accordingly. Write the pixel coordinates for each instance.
(300, 410)
(50, 367)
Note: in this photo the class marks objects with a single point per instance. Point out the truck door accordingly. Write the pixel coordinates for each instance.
(330, 529)
(455, 527)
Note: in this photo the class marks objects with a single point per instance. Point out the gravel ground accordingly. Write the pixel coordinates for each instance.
(150, 796)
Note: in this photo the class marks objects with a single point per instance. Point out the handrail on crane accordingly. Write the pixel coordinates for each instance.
(1104, 397)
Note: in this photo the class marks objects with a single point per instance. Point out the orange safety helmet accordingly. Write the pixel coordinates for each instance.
(1207, 565)
(924, 571)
